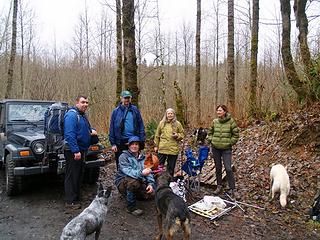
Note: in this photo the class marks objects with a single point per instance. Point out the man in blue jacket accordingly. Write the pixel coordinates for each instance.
(77, 135)
(132, 179)
(125, 122)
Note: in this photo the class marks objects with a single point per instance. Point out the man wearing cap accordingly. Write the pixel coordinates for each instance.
(133, 180)
(126, 122)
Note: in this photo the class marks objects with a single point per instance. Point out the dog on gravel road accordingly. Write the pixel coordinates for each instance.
(172, 207)
(279, 182)
(90, 220)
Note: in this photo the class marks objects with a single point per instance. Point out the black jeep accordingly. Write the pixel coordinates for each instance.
(23, 145)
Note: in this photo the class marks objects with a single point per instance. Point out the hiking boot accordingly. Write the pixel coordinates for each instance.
(218, 190)
(134, 211)
(73, 206)
(234, 194)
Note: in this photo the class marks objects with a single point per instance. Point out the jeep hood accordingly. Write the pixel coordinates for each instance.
(26, 136)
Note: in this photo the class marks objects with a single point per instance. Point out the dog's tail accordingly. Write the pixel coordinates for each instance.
(283, 200)
(180, 222)
(183, 223)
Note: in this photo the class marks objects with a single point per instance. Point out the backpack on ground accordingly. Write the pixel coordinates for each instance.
(315, 210)
(53, 126)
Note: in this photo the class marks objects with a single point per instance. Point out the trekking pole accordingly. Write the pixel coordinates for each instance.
(246, 204)
(233, 202)
(250, 205)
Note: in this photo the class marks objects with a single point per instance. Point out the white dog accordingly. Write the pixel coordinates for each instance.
(279, 182)
(90, 220)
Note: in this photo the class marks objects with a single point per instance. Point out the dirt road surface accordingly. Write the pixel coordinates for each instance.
(39, 213)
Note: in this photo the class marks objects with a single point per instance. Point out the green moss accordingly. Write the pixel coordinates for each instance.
(313, 224)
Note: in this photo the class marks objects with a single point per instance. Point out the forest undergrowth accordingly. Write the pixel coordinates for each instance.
(294, 141)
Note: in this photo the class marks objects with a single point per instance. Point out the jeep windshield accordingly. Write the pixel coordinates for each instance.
(27, 112)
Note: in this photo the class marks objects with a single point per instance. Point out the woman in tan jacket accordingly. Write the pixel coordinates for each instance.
(168, 135)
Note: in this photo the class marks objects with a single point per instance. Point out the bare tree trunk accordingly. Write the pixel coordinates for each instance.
(290, 70)
(254, 55)
(78, 42)
(176, 55)
(9, 93)
(5, 28)
(180, 105)
(22, 51)
(86, 25)
(130, 59)
(230, 57)
(141, 10)
(102, 42)
(119, 50)
(302, 24)
(110, 39)
(187, 36)
(217, 54)
(186, 54)
(162, 74)
(198, 74)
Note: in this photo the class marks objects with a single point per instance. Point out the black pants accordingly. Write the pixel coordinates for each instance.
(73, 176)
(120, 148)
(171, 160)
(224, 156)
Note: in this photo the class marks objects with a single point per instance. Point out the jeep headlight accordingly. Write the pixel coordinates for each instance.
(38, 148)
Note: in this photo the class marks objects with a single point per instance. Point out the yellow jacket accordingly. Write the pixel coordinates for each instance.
(163, 138)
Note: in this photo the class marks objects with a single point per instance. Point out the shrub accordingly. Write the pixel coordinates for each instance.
(151, 128)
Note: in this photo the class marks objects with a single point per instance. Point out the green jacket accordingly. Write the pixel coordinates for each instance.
(163, 138)
(224, 132)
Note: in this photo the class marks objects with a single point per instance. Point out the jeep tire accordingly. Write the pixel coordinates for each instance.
(13, 183)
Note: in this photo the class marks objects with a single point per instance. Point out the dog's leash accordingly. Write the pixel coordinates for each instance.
(160, 168)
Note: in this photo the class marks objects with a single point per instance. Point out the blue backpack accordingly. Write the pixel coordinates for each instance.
(53, 126)
(315, 210)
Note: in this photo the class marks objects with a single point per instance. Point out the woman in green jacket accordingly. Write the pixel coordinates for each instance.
(223, 134)
(167, 137)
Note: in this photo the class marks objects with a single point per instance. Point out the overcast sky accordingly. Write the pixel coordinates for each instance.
(58, 17)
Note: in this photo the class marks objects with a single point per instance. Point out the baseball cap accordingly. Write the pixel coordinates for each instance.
(133, 139)
(126, 93)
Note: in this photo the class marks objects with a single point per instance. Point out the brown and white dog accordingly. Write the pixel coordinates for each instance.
(172, 207)
(90, 220)
(279, 182)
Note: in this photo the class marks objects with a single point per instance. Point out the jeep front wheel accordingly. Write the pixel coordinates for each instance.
(13, 183)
